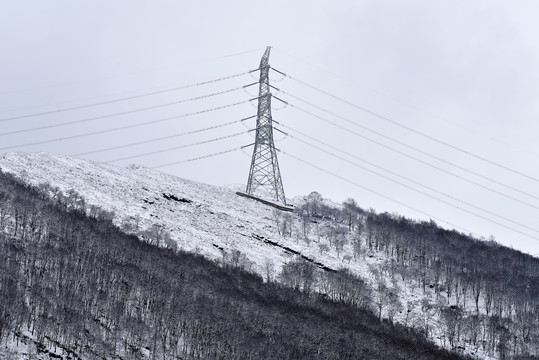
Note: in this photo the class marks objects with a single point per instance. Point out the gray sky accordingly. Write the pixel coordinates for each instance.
(464, 72)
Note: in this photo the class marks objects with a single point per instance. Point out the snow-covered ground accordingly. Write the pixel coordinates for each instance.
(206, 219)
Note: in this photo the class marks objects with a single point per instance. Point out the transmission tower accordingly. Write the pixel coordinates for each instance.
(264, 174)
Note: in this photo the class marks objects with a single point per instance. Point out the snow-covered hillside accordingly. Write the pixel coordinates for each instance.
(201, 218)
(212, 221)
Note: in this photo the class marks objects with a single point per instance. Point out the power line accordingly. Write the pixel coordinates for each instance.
(409, 146)
(239, 53)
(391, 172)
(372, 191)
(413, 157)
(177, 147)
(124, 98)
(119, 113)
(415, 107)
(143, 71)
(160, 138)
(123, 127)
(198, 158)
(417, 183)
(416, 131)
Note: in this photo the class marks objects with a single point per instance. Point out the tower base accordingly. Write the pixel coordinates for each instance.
(266, 202)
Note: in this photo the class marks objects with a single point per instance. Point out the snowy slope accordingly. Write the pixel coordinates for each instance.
(205, 219)
(210, 220)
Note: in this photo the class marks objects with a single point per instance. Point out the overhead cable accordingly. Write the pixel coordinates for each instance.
(124, 98)
(198, 158)
(428, 154)
(373, 191)
(396, 123)
(123, 127)
(119, 113)
(418, 190)
(177, 147)
(400, 101)
(414, 158)
(160, 138)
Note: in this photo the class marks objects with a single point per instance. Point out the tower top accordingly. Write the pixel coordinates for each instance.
(265, 58)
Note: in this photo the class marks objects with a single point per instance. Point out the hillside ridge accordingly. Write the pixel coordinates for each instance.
(222, 226)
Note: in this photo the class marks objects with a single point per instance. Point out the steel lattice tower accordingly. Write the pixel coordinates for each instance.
(264, 173)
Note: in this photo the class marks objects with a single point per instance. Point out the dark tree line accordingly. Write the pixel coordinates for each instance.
(79, 283)
(500, 284)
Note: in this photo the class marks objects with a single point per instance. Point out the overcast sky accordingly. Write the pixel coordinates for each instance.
(463, 72)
